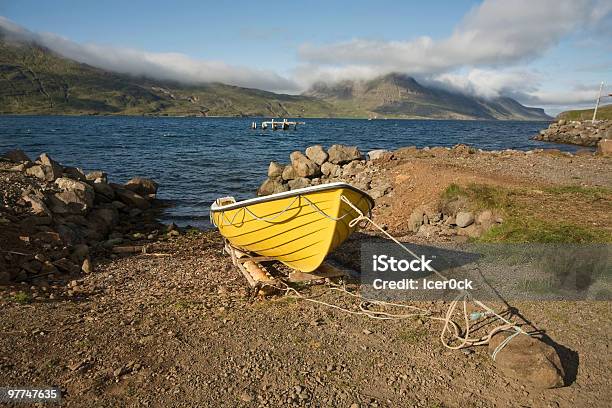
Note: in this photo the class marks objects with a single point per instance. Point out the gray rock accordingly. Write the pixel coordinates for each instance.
(464, 219)
(303, 166)
(74, 173)
(105, 217)
(43, 172)
(103, 189)
(317, 154)
(275, 170)
(56, 169)
(288, 173)
(331, 170)
(76, 197)
(379, 190)
(142, 186)
(131, 198)
(299, 182)
(352, 169)
(528, 360)
(97, 174)
(17, 156)
(341, 154)
(271, 186)
(377, 154)
(38, 206)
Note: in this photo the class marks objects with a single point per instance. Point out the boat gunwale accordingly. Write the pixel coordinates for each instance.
(288, 194)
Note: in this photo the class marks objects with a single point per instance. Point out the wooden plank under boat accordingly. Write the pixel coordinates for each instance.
(298, 228)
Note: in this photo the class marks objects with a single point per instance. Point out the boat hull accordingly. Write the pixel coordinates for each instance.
(298, 228)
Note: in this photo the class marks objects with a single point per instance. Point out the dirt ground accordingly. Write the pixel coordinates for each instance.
(180, 328)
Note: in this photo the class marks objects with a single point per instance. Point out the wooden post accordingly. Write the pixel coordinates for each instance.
(597, 103)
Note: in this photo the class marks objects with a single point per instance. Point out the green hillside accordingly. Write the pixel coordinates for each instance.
(603, 112)
(34, 80)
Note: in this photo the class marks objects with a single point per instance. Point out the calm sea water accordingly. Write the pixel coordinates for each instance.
(196, 160)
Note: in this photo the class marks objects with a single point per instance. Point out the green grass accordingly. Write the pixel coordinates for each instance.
(603, 112)
(22, 298)
(522, 229)
(520, 224)
(593, 193)
(480, 196)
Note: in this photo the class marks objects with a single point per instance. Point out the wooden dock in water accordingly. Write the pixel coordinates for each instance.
(277, 124)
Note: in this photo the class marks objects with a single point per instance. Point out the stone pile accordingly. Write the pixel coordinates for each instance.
(53, 215)
(427, 222)
(316, 166)
(585, 133)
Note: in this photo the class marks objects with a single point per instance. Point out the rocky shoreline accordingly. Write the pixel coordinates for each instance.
(143, 329)
(582, 133)
(56, 218)
(450, 218)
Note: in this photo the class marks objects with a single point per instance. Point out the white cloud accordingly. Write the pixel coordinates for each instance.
(163, 66)
(496, 33)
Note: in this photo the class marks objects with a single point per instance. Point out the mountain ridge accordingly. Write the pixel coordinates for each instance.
(35, 80)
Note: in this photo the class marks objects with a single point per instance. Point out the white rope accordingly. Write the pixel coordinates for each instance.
(464, 296)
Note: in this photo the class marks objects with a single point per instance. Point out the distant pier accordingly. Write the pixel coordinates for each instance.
(277, 124)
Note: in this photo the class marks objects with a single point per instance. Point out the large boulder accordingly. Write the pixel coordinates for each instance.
(464, 219)
(103, 190)
(317, 154)
(17, 156)
(271, 186)
(142, 186)
(303, 166)
(289, 173)
(42, 172)
(528, 360)
(38, 205)
(96, 174)
(103, 218)
(299, 182)
(341, 154)
(275, 170)
(377, 154)
(131, 198)
(47, 161)
(331, 170)
(604, 147)
(76, 197)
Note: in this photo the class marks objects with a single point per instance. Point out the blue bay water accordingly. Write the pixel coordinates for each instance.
(196, 160)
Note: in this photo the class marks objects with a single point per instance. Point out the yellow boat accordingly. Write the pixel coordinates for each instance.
(298, 228)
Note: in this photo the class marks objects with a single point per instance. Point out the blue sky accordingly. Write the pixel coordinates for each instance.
(547, 53)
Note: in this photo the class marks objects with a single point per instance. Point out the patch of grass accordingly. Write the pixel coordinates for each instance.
(22, 298)
(480, 196)
(524, 211)
(412, 335)
(592, 193)
(523, 229)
